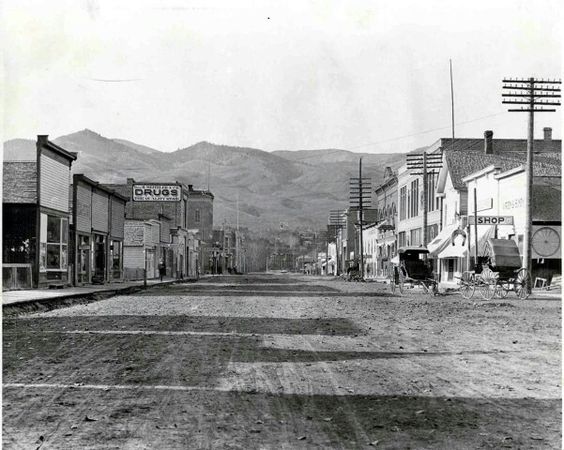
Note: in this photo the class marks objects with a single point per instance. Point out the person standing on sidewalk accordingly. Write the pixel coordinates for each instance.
(162, 269)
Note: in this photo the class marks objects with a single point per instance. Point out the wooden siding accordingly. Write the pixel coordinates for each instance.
(165, 231)
(83, 208)
(100, 210)
(133, 258)
(55, 182)
(155, 233)
(19, 182)
(118, 218)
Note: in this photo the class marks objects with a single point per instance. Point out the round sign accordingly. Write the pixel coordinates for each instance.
(546, 242)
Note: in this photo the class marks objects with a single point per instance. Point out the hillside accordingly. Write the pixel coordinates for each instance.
(296, 188)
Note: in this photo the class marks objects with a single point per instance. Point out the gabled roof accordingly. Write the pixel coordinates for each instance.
(45, 142)
(461, 164)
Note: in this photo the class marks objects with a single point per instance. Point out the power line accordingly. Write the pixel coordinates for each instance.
(397, 138)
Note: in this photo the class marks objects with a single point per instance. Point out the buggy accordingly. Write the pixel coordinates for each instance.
(497, 272)
(411, 266)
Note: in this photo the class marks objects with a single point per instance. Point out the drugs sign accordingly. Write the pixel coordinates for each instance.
(491, 220)
(156, 193)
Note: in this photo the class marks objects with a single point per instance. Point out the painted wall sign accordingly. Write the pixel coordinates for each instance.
(156, 193)
(512, 204)
(134, 234)
(491, 220)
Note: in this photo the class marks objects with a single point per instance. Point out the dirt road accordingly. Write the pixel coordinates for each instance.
(284, 361)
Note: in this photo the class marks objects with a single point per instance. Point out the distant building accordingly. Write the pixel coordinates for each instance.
(386, 204)
(166, 203)
(200, 218)
(227, 253)
(35, 232)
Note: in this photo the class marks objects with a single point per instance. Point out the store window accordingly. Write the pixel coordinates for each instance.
(415, 236)
(401, 239)
(54, 232)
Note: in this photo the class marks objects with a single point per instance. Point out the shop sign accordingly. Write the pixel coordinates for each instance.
(491, 220)
(156, 193)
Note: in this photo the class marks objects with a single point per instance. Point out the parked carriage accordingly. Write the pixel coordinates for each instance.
(498, 271)
(412, 267)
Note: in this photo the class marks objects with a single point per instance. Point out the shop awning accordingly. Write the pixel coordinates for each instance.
(453, 251)
(460, 251)
(441, 240)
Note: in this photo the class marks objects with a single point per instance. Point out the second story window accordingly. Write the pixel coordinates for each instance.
(414, 203)
(197, 216)
(403, 202)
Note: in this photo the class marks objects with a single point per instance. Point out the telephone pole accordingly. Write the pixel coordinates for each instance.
(425, 165)
(360, 197)
(535, 95)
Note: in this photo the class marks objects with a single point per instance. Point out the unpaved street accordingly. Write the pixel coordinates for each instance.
(284, 361)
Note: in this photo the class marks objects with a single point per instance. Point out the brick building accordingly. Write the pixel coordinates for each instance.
(35, 233)
(200, 220)
(184, 222)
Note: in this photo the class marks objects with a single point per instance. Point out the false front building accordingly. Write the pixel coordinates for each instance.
(35, 233)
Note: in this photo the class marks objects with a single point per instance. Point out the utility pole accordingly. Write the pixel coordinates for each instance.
(360, 197)
(425, 165)
(237, 256)
(451, 99)
(535, 94)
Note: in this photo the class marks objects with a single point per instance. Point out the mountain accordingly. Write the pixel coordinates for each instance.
(138, 147)
(297, 188)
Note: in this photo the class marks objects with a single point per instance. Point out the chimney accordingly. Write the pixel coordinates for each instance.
(488, 142)
(190, 186)
(42, 138)
(547, 133)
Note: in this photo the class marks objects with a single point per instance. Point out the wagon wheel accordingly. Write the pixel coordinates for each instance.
(402, 277)
(467, 287)
(426, 289)
(488, 282)
(392, 283)
(433, 288)
(501, 289)
(523, 284)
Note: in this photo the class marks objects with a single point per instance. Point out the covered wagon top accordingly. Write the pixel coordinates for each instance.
(503, 253)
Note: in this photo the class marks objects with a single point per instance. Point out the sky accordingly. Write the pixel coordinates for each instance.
(365, 76)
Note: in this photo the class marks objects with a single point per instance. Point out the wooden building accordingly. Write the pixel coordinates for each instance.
(36, 191)
(97, 232)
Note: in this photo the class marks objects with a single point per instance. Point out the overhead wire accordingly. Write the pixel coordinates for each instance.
(400, 137)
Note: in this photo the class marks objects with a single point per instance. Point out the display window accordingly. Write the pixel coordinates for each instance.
(53, 249)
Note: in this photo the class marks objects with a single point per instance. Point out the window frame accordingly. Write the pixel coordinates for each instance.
(45, 244)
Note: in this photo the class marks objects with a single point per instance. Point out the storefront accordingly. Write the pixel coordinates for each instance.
(502, 194)
(36, 217)
(98, 215)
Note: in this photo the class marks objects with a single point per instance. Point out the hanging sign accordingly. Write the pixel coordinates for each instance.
(491, 220)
